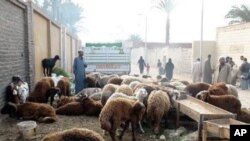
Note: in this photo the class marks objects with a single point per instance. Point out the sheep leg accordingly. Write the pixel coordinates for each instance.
(141, 127)
(49, 71)
(44, 73)
(124, 129)
(112, 135)
(133, 131)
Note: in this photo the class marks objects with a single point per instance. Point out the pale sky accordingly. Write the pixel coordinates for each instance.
(112, 20)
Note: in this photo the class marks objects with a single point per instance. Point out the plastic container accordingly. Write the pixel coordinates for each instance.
(27, 129)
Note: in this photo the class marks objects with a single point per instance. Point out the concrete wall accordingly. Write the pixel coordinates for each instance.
(207, 48)
(181, 56)
(233, 41)
(41, 42)
(55, 42)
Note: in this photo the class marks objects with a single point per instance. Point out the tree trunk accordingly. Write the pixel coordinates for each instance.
(167, 29)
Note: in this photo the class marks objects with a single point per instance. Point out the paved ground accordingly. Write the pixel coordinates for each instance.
(244, 95)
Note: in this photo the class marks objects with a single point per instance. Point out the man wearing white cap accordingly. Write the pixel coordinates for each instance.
(223, 72)
(79, 71)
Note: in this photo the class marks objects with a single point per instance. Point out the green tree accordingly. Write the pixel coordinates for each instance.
(167, 7)
(135, 38)
(63, 11)
(238, 14)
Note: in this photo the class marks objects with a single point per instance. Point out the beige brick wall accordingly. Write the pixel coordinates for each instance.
(233, 41)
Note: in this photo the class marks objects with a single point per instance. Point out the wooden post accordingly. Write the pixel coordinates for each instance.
(178, 115)
(200, 127)
(204, 132)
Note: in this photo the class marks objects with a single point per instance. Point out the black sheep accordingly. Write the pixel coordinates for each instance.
(48, 64)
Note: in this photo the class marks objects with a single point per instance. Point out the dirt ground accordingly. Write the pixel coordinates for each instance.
(9, 131)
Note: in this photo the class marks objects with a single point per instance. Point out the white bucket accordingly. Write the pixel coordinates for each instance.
(27, 129)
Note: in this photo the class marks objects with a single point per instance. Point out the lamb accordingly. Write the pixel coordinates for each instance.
(83, 105)
(226, 102)
(48, 64)
(74, 134)
(124, 89)
(40, 93)
(195, 88)
(23, 92)
(65, 99)
(31, 111)
(157, 108)
(115, 80)
(120, 110)
(64, 85)
(107, 91)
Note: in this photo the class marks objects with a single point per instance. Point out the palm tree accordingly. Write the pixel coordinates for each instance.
(167, 7)
(238, 14)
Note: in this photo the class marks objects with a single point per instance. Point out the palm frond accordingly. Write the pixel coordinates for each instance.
(238, 14)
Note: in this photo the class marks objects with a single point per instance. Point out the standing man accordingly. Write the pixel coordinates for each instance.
(142, 64)
(207, 71)
(244, 69)
(169, 69)
(159, 66)
(197, 71)
(79, 71)
(223, 72)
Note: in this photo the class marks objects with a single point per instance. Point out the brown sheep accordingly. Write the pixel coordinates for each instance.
(64, 100)
(195, 88)
(91, 81)
(64, 85)
(107, 91)
(39, 94)
(158, 107)
(32, 111)
(85, 106)
(72, 108)
(74, 134)
(120, 110)
(244, 115)
(124, 89)
(227, 102)
(218, 89)
(115, 80)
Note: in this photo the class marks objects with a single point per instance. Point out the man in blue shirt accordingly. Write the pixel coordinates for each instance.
(79, 72)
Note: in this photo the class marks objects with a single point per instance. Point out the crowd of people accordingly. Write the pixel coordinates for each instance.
(226, 71)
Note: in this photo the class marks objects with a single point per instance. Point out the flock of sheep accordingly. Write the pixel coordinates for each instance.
(118, 101)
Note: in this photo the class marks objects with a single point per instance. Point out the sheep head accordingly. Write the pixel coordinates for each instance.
(57, 57)
(203, 95)
(10, 108)
(137, 111)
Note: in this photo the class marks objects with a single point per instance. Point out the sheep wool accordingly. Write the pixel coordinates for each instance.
(74, 134)
(124, 89)
(157, 108)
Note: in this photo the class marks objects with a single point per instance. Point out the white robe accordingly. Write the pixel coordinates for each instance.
(197, 71)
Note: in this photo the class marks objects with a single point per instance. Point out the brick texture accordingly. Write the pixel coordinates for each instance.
(13, 45)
